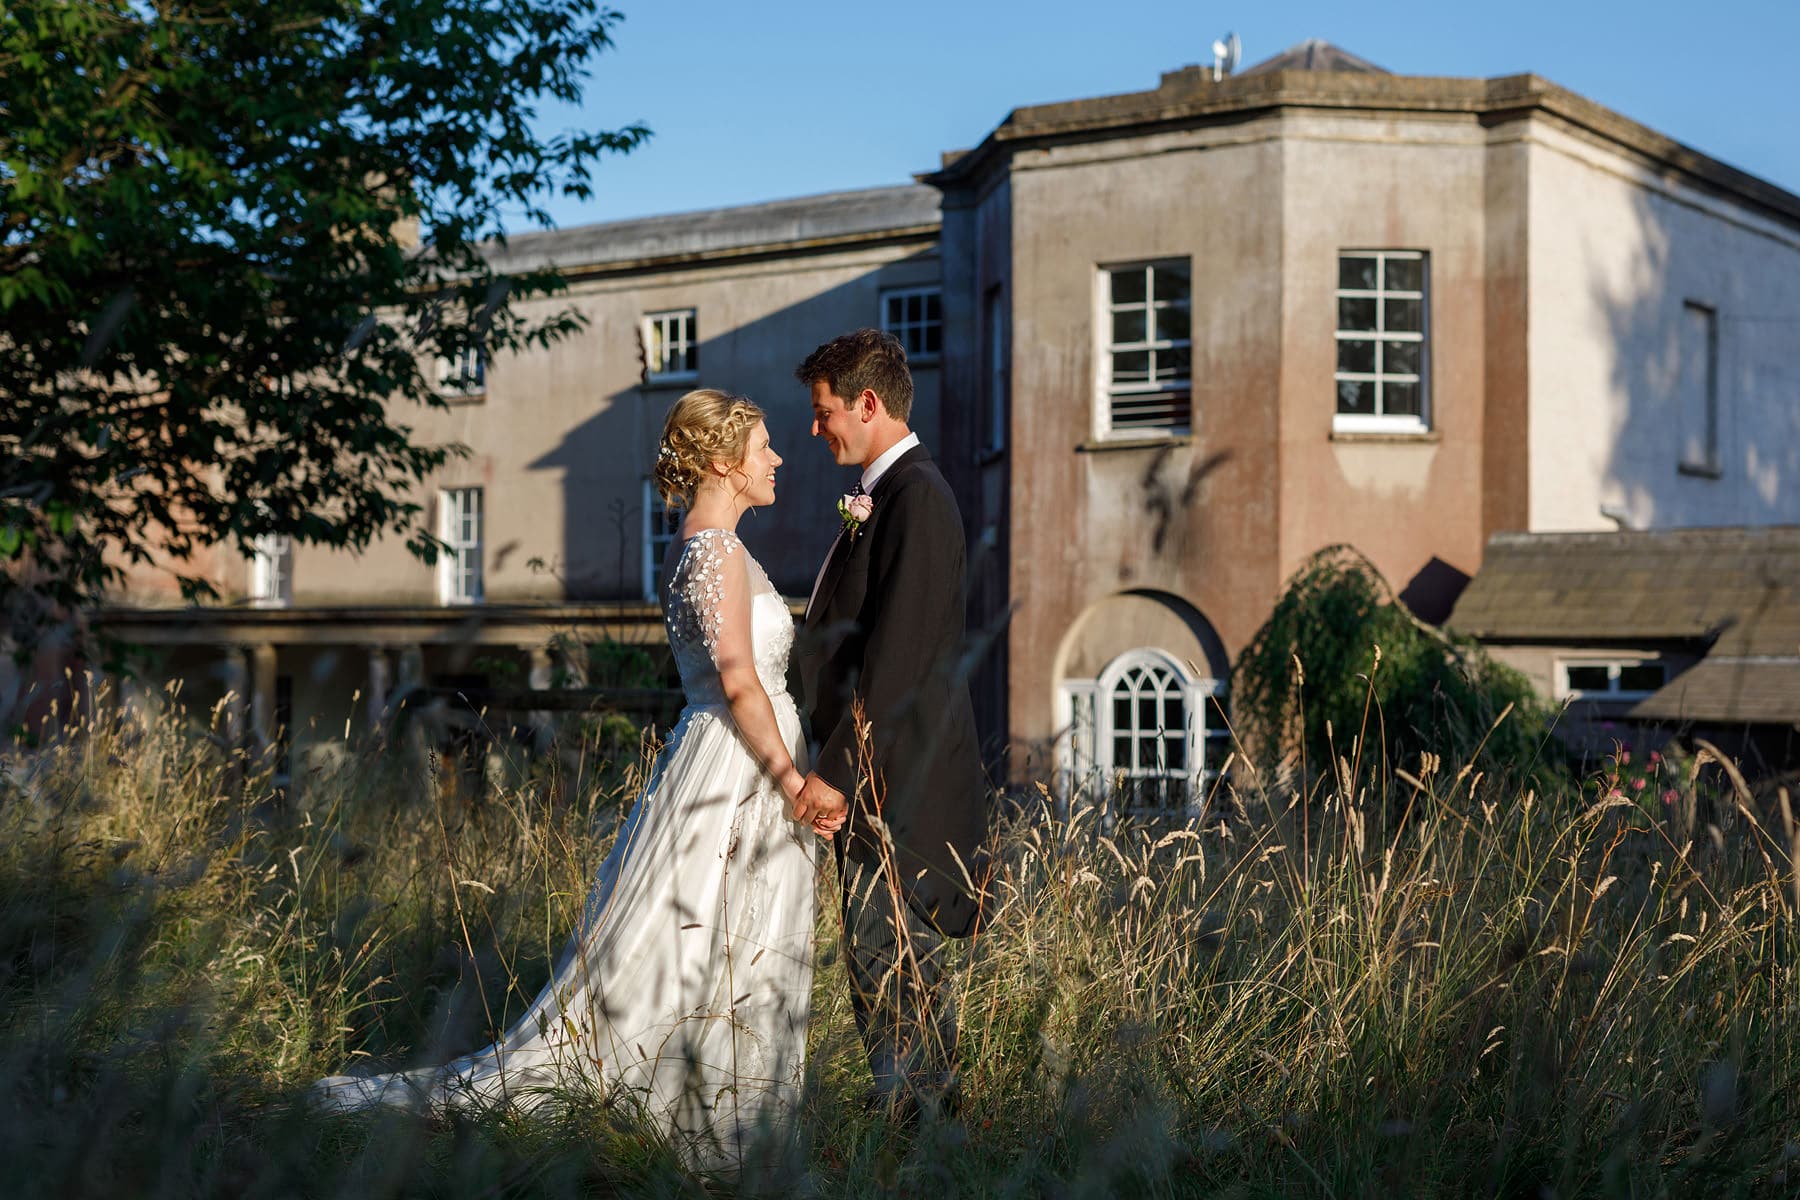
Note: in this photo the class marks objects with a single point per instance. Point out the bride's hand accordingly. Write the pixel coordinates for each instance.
(825, 826)
(791, 783)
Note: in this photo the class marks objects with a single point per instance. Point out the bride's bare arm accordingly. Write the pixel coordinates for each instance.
(718, 586)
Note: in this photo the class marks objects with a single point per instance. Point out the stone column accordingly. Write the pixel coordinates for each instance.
(262, 694)
(412, 666)
(538, 678)
(236, 673)
(413, 742)
(381, 682)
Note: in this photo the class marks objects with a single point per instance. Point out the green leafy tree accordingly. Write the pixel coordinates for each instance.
(235, 239)
(1341, 656)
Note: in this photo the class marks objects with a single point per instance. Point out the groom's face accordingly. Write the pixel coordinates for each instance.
(841, 425)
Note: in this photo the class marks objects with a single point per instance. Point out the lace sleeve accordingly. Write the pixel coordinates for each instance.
(713, 587)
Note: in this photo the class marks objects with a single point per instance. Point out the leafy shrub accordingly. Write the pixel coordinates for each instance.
(1341, 669)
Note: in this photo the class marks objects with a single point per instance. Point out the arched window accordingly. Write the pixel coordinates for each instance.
(1145, 732)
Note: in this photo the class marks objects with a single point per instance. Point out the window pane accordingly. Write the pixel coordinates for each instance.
(1146, 711)
(1172, 364)
(1128, 325)
(1356, 312)
(1155, 752)
(891, 308)
(1405, 316)
(1641, 677)
(1121, 712)
(1356, 355)
(1405, 274)
(1121, 757)
(1131, 366)
(1174, 713)
(1215, 717)
(1400, 399)
(1588, 679)
(1171, 281)
(1400, 358)
(1357, 273)
(934, 306)
(930, 340)
(1172, 324)
(1175, 752)
(1356, 396)
(1128, 286)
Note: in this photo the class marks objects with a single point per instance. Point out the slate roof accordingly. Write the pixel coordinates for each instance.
(1733, 690)
(1676, 584)
(824, 220)
(1734, 592)
(1314, 54)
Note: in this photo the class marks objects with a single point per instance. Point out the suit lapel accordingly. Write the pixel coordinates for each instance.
(846, 545)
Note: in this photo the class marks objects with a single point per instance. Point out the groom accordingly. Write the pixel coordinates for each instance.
(884, 628)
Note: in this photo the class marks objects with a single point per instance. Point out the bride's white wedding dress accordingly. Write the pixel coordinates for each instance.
(687, 981)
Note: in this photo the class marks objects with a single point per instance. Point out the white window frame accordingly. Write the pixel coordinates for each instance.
(999, 370)
(672, 345)
(1700, 455)
(910, 332)
(1563, 691)
(1378, 421)
(463, 374)
(1084, 711)
(662, 525)
(272, 571)
(461, 517)
(1180, 388)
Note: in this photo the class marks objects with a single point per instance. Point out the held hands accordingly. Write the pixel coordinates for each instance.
(820, 805)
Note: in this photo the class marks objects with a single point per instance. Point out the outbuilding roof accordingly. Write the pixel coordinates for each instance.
(1733, 592)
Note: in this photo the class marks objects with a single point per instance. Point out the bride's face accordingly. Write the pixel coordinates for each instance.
(756, 474)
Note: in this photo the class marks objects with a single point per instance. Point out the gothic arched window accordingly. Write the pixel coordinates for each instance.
(1145, 733)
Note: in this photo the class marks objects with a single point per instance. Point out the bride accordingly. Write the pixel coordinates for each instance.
(686, 983)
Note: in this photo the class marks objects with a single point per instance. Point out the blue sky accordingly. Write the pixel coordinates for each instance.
(755, 102)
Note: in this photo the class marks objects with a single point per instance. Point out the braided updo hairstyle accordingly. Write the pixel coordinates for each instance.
(705, 425)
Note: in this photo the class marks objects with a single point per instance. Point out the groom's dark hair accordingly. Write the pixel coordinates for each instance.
(865, 358)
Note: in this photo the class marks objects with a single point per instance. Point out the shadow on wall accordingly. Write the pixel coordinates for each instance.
(1431, 593)
(1704, 369)
(605, 524)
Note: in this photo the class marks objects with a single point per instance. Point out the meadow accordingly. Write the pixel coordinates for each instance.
(1346, 979)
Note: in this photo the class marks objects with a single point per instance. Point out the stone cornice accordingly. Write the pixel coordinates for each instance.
(1192, 97)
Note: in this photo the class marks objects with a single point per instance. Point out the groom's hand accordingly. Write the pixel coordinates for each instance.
(818, 799)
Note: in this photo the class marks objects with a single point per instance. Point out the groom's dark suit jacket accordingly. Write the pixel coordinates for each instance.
(887, 627)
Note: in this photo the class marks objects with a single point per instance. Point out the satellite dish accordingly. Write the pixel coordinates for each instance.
(1226, 52)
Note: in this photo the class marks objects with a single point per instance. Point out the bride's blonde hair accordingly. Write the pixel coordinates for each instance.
(705, 425)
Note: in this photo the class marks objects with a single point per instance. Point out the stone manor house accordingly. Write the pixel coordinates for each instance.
(1168, 344)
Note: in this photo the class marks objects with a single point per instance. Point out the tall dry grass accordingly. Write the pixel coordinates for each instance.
(1439, 987)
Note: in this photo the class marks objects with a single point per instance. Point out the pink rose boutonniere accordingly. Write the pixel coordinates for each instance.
(855, 508)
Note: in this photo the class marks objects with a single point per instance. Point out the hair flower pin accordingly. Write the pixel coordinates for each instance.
(855, 508)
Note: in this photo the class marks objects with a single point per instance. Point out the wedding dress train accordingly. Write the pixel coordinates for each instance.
(687, 980)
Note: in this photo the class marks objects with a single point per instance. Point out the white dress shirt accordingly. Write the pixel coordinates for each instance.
(875, 470)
